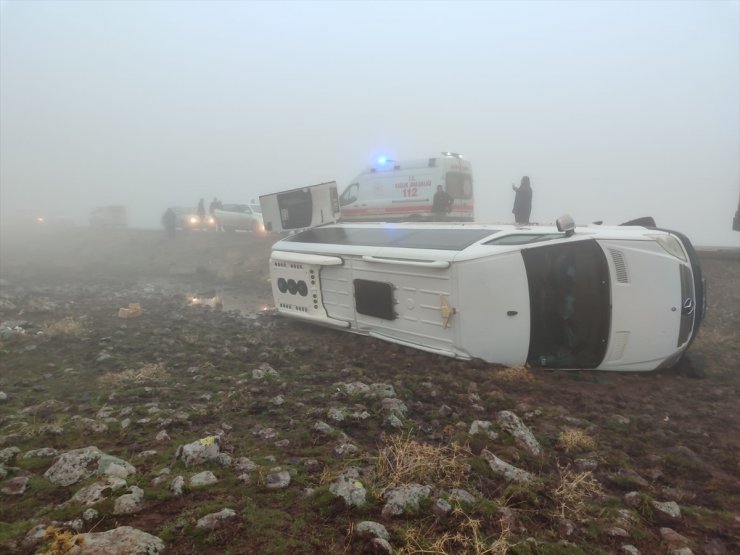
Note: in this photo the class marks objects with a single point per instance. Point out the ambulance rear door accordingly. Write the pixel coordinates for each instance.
(300, 208)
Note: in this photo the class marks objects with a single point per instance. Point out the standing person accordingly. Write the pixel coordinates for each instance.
(522, 201)
(169, 222)
(202, 213)
(442, 203)
(215, 203)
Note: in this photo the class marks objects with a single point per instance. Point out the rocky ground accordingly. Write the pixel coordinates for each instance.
(192, 429)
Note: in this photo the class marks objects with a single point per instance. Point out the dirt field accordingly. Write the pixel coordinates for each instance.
(644, 460)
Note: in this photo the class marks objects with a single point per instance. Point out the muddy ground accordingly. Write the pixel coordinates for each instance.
(72, 372)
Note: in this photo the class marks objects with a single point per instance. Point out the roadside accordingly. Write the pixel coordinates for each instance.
(305, 433)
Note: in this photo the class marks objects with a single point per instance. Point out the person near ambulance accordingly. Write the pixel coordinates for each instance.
(441, 203)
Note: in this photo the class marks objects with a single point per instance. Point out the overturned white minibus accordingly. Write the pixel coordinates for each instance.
(601, 297)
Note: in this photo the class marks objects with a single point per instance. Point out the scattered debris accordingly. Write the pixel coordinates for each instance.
(132, 311)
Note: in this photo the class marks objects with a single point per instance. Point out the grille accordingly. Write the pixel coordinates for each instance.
(620, 265)
(620, 343)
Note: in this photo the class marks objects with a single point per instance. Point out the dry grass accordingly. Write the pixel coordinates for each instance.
(574, 440)
(515, 374)
(67, 327)
(191, 338)
(574, 491)
(60, 541)
(403, 460)
(147, 373)
(465, 538)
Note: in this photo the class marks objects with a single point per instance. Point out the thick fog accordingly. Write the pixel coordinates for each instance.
(614, 109)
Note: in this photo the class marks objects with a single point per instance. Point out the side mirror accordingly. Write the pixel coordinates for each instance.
(566, 224)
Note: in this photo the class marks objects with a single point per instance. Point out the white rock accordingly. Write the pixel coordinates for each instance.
(78, 464)
(15, 486)
(355, 389)
(348, 487)
(336, 414)
(617, 532)
(482, 427)
(89, 514)
(130, 502)
(400, 499)
(278, 480)
(382, 390)
(323, 428)
(523, 436)
(394, 422)
(178, 483)
(462, 496)
(667, 508)
(243, 464)
(508, 472)
(205, 478)
(368, 528)
(97, 491)
(8, 454)
(199, 451)
(394, 406)
(381, 545)
(215, 520)
(441, 508)
(124, 540)
(224, 459)
(117, 471)
(44, 452)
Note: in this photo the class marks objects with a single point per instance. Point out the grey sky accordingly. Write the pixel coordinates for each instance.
(614, 109)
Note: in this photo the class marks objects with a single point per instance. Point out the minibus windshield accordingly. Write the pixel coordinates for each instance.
(569, 304)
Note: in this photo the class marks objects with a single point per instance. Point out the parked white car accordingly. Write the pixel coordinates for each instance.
(600, 297)
(187, 219)
(242, 217)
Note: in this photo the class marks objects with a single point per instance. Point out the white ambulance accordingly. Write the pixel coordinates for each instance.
(403, 191)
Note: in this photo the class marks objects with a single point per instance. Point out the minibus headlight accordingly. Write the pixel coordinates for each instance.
(670, 244)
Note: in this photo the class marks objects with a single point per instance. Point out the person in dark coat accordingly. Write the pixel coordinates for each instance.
(215, 205)
(442, 203)
(522, 201)
(202, 213)
(169, 221)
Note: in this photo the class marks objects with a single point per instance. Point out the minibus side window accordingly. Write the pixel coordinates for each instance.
(349, 195)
